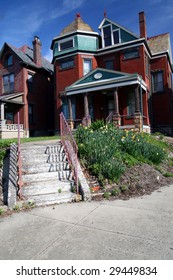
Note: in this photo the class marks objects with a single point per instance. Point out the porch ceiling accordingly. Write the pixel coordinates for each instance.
(14, 98)
(102, 79)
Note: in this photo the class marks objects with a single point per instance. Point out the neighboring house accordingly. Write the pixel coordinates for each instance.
(26, 87)
(113, 74)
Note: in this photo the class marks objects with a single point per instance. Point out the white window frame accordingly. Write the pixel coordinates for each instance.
(86, 71)
(112, 36)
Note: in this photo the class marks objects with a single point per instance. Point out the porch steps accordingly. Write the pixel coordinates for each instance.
(46, 174)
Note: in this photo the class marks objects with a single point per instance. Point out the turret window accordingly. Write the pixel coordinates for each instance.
(65, 45)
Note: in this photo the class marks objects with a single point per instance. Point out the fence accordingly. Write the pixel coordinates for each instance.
(70, 147)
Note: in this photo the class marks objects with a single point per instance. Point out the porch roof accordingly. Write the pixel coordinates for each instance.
(15, 98)
(103, 79)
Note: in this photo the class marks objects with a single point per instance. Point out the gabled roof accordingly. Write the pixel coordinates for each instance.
(15, 98)
(26, 56)
(107, 21)
(100, 79)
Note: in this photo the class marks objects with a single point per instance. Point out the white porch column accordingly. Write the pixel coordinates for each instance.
(2, 114)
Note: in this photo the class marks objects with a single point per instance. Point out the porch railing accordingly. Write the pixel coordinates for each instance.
(12, 127)
(70, 147)
(86, 121)
(109, 118)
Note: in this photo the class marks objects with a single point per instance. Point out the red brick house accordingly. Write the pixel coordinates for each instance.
(113, 74)
(26, 86)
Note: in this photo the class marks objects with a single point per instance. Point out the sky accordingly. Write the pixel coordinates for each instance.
(21, 20)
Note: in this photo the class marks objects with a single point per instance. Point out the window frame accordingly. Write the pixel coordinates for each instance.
(157, 86)
(112, 39)
(130, 103)
(86, 71)
(64, 41)
(9, 84)
(66, 64)
(134, 53)
(8, 61)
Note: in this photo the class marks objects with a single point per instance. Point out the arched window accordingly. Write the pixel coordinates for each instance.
(8, 60)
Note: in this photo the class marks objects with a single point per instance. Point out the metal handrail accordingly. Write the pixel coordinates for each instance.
(70, 147)
(109, 118)
(19, 160)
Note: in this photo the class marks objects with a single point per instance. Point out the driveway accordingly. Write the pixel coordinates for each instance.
(139, 228)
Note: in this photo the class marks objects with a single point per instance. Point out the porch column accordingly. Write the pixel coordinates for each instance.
(86, 108)
(2, 114)
(70, 120)
(87, 120)
(137, 114)
(116, 115)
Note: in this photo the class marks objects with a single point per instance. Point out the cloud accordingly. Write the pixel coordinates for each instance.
(23, 21)
(66, 7)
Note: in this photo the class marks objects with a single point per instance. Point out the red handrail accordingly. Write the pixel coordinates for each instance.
(19, 159)
(70, 147)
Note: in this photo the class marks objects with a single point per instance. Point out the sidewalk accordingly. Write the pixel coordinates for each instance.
(139, 228)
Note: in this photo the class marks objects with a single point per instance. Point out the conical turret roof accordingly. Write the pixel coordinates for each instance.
(77, 24)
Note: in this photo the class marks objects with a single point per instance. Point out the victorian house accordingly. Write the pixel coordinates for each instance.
(26, 91)
(114, 75)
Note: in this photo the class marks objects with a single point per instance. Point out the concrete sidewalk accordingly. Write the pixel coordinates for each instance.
(139, 228)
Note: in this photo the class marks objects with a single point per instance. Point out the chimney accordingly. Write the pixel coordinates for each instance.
(142, 25)
(37, 51)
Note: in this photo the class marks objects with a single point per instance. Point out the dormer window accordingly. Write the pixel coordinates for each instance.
(8, 60)
(66, 44)
(110, 36)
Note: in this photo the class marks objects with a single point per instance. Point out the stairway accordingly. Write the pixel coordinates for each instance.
(46, 175)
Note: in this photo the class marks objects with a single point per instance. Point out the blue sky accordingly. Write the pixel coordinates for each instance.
(21, 20)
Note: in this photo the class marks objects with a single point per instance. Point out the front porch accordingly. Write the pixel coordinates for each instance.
(10, 127)
(108, 95)
(9, 131)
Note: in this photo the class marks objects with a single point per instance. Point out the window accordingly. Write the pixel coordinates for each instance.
(107, 36)
(8, 83)
(116, 36)
(110, 106)
(147, 71)
(30, 113)
(157, 81)
(66, 45)
(109, 64)
(66, 64)
(87, 66)
(131, 53)
(110, 37)
(30, 82)
(130, 103)
(8, 60)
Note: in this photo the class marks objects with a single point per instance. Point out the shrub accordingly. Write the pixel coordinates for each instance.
(107, 151)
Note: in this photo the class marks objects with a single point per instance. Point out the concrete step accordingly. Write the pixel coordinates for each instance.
(37, 177)
(42, 158)
(28, 168)
(46, 187)
(49, 199)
